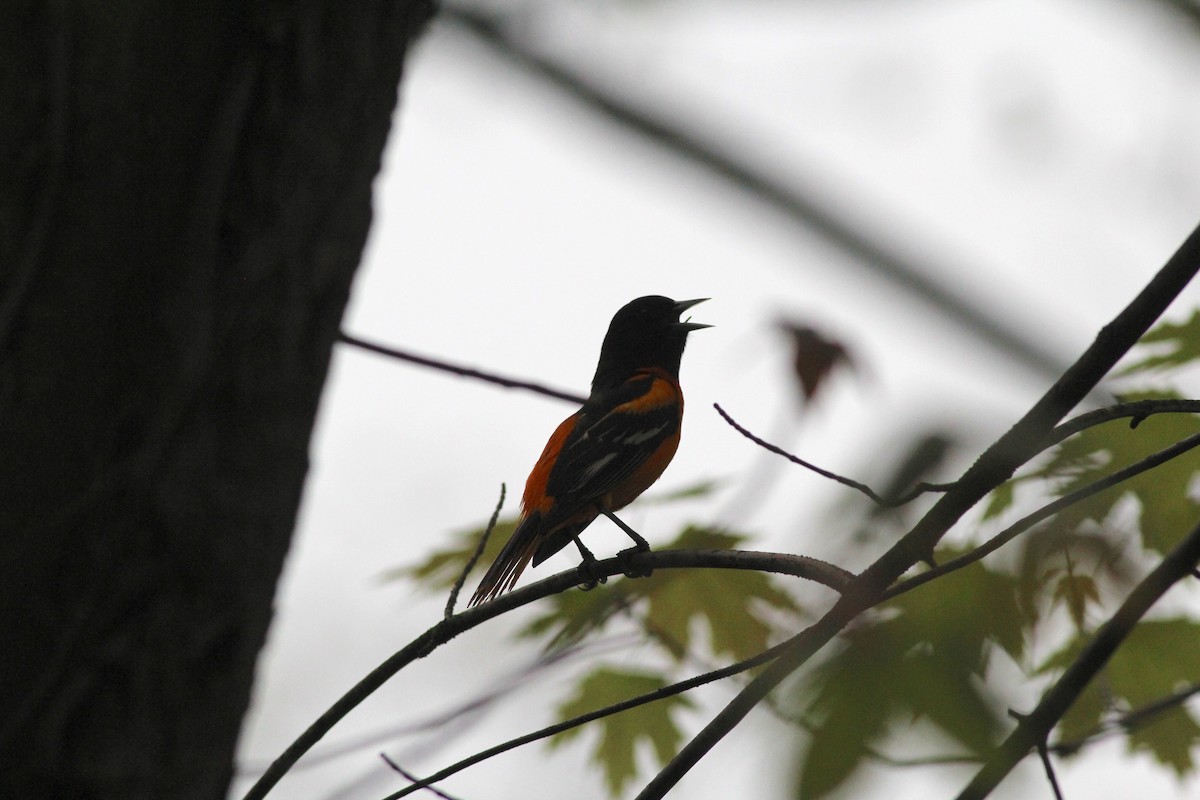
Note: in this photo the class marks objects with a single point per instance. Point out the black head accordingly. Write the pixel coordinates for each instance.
(645, 333)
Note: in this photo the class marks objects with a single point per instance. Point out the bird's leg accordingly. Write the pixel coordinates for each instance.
(640, 545)
(591, 576)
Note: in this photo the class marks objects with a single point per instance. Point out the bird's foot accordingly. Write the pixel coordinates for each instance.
(631, 571)
(590, 574)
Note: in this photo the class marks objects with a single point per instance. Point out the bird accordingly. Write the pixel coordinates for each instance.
(612, 449)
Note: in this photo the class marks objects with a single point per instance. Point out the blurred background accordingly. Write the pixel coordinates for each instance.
(960, 194)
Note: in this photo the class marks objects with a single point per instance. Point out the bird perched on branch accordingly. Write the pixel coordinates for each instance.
(609, 451)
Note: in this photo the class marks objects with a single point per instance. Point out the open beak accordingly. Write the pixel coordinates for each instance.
(682, 306)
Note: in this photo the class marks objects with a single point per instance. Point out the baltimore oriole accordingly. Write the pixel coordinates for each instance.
(609, 451)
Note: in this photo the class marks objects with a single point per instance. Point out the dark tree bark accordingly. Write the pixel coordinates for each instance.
(184, 197)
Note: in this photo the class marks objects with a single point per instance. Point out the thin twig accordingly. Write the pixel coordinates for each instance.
(466, 372)
(474, 559)
(414, 778)
(918, 490)
(1044, 754)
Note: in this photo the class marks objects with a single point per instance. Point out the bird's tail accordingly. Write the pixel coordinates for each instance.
(514, 557)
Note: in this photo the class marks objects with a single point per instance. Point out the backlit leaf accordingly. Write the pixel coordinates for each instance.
(732, 604)
(1180, 345)
(948, 610)
(1171, 739)
(1076, 592)
(1156, 660)
(1000, 500)
(442, 568)
(701, 488)
(569, 616)
(621, 734)
(1167, 510)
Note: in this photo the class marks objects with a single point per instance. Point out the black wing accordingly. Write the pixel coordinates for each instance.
(608, 444)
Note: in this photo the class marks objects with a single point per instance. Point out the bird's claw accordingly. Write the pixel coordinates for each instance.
(591, 576)
(632, 572)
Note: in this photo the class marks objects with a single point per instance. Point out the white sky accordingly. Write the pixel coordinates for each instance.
(1044, 157)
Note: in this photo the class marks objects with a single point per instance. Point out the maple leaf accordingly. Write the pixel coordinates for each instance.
(1167, 508)
(1181, 345)
(574, 615)
(1155, 660)
(621, 734)
(735, 605)
(1076, 592)
(442, 568)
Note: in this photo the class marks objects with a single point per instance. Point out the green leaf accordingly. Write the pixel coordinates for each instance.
(947, 610)
(734, 604)
(1076, 591)
(701, 488)
(1053, 554)
(698, 537)
(729, 604)
(1170, 739)
(1000, 500)
(884, 679)
(852, 705)
(441, 569)
(570, 616)
(620, 734)
(1157, 658)
(1085, 714)
(1167, 510)
(947, 645)
(1182, 342)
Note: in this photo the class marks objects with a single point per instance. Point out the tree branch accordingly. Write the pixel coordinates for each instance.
(1035, 727)
(466, 372)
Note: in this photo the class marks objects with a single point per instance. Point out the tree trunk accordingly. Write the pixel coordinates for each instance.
(184, 197)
